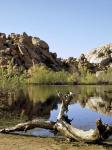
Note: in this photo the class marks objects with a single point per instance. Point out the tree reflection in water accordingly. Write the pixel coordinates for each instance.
(18, 105)
(38, 102)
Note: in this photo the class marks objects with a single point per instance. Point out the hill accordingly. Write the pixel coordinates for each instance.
(23, 50)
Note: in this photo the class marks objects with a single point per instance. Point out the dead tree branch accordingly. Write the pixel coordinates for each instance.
(63, 126)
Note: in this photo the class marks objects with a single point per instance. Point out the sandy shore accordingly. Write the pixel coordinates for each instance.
(16, 142)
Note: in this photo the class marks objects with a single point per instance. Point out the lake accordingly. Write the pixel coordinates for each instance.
(89, 104)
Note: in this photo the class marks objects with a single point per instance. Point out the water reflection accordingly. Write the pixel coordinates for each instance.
(89, 103)
(96, 98)
(21, 104)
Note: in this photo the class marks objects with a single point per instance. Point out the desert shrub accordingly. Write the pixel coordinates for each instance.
(42, 75)
(105, 77)
(88, 78)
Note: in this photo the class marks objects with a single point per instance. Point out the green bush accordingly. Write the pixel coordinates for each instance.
(105, 77)
(42, 75)
(39, 74)
(88, 78)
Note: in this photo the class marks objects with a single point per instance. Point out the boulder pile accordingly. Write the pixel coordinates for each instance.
(25, 51)
(101, 55)
(96, 61)
(77, 65)
(22, 50)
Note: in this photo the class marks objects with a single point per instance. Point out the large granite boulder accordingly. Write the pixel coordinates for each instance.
(101, 55)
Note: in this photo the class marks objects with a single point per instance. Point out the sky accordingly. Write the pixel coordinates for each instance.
(70, 27)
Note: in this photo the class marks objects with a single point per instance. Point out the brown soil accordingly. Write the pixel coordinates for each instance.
(15, 142)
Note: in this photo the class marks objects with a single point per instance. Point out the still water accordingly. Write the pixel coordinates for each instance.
(89, 103)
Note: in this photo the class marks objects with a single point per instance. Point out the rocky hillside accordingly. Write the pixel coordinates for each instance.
(23, 50)
(98, 59)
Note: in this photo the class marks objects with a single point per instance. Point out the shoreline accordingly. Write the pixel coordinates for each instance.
(67, 84)
(18, 142)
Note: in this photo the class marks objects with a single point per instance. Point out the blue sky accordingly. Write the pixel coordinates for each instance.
(70, 27)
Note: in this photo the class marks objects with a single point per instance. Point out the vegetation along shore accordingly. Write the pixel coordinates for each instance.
(26, 59)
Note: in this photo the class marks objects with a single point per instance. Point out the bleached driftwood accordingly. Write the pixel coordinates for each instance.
(63, 125)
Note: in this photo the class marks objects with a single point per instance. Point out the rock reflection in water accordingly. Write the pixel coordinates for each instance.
(100, 105)
(25, 104)
(97, 100)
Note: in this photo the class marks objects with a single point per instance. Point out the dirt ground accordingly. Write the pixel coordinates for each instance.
(16, 142)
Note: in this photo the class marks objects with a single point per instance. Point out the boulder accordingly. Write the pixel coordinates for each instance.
(101, 55)
(35, 40)
(43, 45)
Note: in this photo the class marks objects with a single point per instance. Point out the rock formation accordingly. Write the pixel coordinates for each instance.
(95, 61)
(74, 65)
(101, 55)
(23, 50)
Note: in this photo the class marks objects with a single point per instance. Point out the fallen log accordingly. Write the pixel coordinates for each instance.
(29, 125)
(90, 136)
(63, 126)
